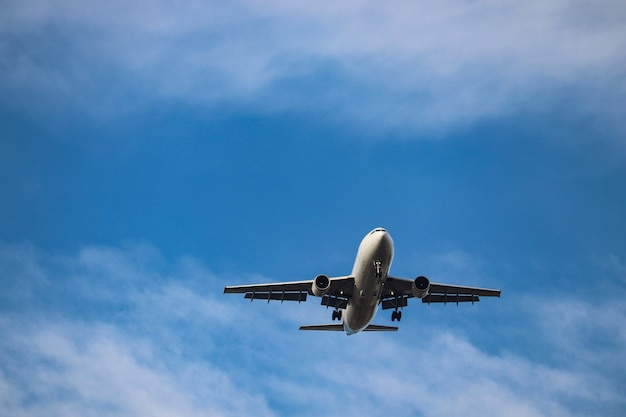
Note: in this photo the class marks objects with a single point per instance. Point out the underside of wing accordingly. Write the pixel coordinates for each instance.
(444, 293)
(338, 291)
(398, 291)
(282, 291)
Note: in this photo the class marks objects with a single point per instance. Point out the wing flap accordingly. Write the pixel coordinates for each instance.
(334, 301)
(450, 298)
(395, 302)
(280, 296)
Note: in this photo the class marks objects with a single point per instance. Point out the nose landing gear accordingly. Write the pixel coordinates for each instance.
(378, 265)
(336, 314)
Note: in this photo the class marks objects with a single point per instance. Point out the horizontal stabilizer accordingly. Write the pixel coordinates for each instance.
(327, 327)
(379, 328)
(339, 328)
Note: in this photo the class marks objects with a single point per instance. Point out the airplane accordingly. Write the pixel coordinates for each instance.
(356, 297)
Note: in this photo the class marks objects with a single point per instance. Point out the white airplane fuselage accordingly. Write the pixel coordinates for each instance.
(370, 271)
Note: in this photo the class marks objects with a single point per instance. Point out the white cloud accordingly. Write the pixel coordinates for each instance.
(74, 369)
(164, 340)
(399, 64)
(439, 374)
(573, 324)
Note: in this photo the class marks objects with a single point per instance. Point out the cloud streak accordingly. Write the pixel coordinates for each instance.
(394, 65)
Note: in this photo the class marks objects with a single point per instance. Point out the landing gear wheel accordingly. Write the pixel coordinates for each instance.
(396, 315)
(336, 315)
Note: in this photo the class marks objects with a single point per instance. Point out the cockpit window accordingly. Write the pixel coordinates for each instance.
(378, 229)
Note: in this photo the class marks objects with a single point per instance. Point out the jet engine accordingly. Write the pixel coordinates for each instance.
(421, 285)
(321, 284)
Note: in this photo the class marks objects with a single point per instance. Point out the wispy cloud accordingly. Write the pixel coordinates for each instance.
(121, 331)
(103, 333)
(401, 64)
(73, 369)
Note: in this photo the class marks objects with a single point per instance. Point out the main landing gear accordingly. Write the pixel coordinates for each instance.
(336, 314)
(396, 315)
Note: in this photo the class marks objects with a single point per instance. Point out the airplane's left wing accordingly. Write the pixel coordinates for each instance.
(337, 294)
(397, 291)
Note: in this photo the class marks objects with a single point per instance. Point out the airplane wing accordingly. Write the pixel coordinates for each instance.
(337, 295)
(397, 292)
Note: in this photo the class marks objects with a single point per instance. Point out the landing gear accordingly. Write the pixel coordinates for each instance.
(336, 314)
(396, 315)
(378, 265)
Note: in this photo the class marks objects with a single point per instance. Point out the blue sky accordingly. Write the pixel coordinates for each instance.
(153, 152)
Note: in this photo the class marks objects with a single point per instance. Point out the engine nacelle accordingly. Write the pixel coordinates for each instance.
(421, 285)
(321, 284)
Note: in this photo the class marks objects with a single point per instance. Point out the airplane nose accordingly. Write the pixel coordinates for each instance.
(386, 239)
(382, 238)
